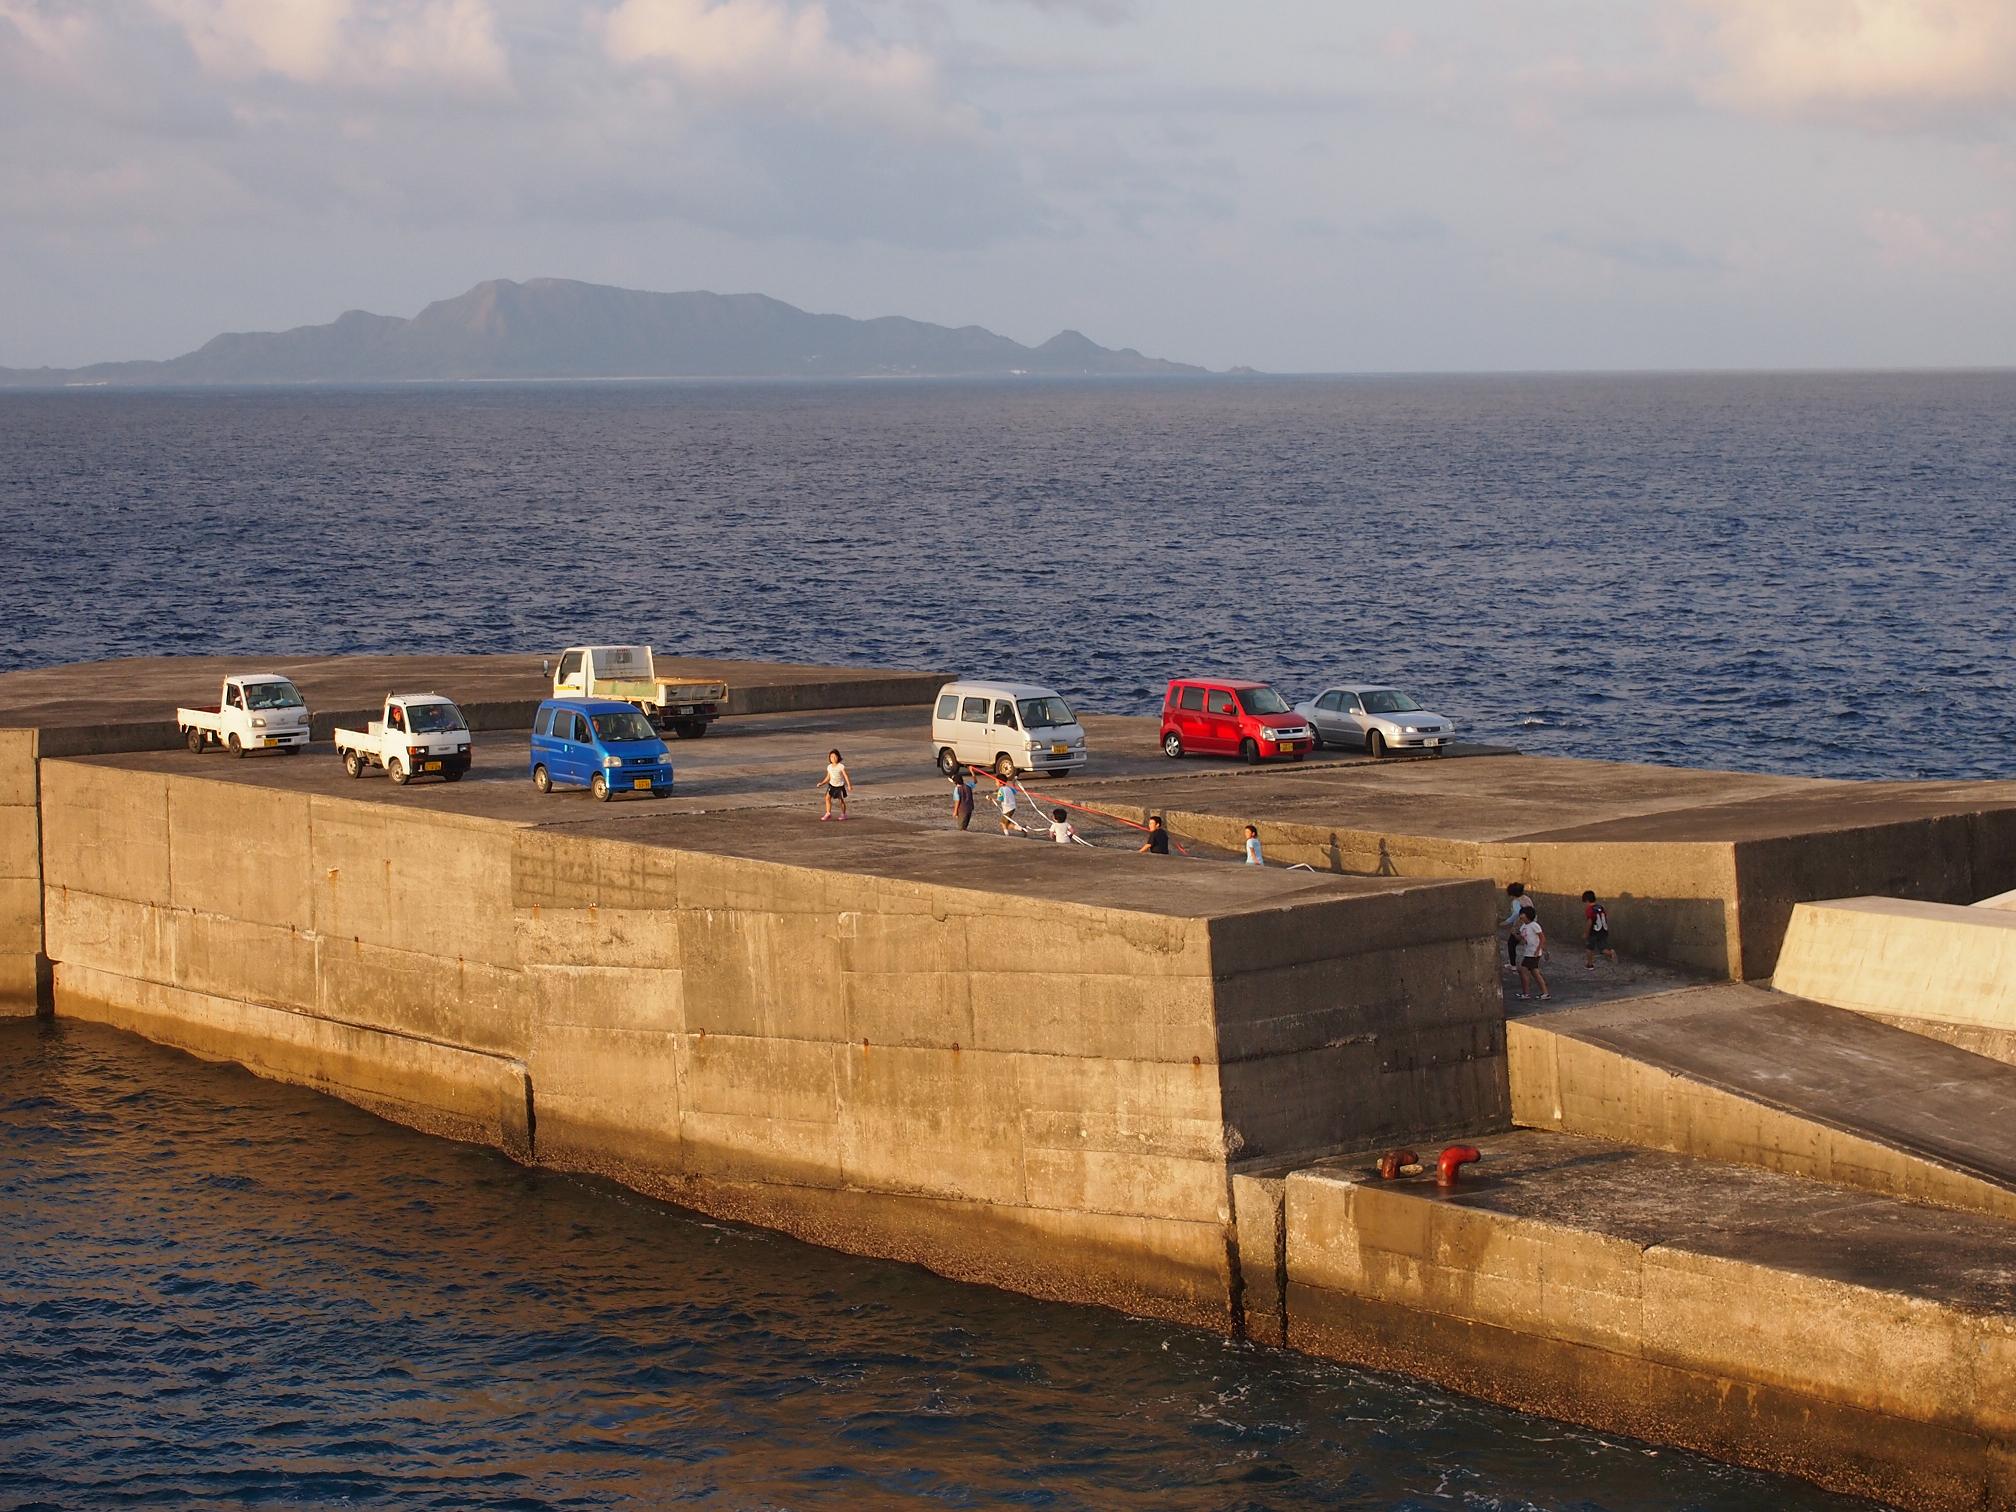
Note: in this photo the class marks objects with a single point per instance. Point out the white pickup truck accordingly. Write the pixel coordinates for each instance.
(416, 735)
(255, 711)
(628, 673)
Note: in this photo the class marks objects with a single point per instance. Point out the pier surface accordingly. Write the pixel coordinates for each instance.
(1084, 1073)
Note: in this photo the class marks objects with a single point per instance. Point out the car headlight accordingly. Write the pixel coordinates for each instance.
(258, 722)
(612, 761)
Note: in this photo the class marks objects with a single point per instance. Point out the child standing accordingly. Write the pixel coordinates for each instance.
(962, 799)
(1004, 795)
(838, 785)
(1060, 827)
(1598, 938)
(1532, 948)
(1516, 892)
(1253, 856)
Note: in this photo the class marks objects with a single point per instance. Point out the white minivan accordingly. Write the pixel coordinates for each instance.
(1007, 727)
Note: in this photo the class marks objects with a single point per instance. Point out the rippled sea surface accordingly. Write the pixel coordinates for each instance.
(1797, 573)
(221, 1291)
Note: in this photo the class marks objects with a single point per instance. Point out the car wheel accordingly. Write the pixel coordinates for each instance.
(599, 786)
(542, 779)
(1375, 744)
(690, 729)
(353, 764)
(291, 750)
(661, 792)
(1315, 737)
(195, 739)
(1442, 750)
(947, 762)
(455, 776)
(235, 746)
(1004, 767)
(396, 770)
(1172, 745)
(1249, 752)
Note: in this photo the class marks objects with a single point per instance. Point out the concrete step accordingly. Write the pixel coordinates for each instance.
(1935, 968)
(1744, 1074)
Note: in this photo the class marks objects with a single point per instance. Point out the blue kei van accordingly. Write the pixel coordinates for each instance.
(600, 744)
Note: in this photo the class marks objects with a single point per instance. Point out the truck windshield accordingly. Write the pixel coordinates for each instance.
(1263, 701)
(272, 695)
(433, 718)
(627, 725)
(1044, 713)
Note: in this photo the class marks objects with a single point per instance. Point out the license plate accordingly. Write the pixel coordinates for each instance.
(1060, 750)
(640, 782)
(430, 766)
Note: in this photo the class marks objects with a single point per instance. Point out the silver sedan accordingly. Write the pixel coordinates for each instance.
(1375, 720)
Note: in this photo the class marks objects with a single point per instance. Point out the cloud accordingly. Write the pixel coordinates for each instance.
(1975, 243)
(367, 43)
(785, 54)
(1877, 62)
(765, 117)
(1652, 254)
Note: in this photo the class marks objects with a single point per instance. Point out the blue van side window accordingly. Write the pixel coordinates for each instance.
(544, 724)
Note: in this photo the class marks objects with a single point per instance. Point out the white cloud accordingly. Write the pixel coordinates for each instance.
(1878, 61)
(787, 54)
(355, 43)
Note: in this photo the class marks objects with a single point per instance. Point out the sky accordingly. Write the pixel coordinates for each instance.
(1295, 185)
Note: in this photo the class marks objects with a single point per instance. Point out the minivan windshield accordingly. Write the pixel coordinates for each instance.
(433, 718)
(272, 695)
(1263, 701)
(1389, 701)
(1044, 713)
(624, 724)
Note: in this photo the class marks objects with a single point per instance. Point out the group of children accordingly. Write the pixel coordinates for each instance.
(1526, 941)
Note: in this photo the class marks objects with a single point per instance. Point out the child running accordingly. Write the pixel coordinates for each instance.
(1253, 856)
(1004, 794)
(1532, 949)
(1598, 938)
(1060, 827)
(838, 786)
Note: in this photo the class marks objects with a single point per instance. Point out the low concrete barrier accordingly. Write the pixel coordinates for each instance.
(1941, 969)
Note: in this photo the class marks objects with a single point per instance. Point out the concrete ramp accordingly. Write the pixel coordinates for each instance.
(1744, 1074)
(1936, 968)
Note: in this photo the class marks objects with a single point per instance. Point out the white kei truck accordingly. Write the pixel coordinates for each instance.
(415, 735)
(628, 674)
(256, 711)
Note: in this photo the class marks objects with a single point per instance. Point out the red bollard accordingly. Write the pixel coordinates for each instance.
(1453, 1158)
(1392, 1160)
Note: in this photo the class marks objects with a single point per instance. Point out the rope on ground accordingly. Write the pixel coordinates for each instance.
(1039, 800)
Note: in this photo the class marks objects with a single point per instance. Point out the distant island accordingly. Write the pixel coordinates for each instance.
(559, 328)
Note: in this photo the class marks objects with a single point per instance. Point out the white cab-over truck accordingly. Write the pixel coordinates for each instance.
(255, 711)
(628, 673)
(416, 735)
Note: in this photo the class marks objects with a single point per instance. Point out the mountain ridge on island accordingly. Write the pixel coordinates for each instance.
(557, 328)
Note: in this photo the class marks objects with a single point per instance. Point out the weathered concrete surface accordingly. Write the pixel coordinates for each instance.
(1945, 971)
(1023, 1064)
(23, 967)
(1863, 1343)
(1739, 1073)
(1700, 870)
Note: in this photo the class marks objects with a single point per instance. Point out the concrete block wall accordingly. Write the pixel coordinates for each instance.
(23, 967)
(1035, 1093)
(1940, 969)
(1612, 1318)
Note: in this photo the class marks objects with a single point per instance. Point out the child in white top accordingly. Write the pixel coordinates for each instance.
(1060, 827)
(1005, 796)
(1532, 950)
(1253, 856)
(838, 785)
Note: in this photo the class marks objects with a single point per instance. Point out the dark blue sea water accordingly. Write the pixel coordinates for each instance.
(219, 1291)
(214, 1290)
(1796, 573)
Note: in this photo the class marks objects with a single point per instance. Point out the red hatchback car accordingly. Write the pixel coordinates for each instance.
(1226, 717)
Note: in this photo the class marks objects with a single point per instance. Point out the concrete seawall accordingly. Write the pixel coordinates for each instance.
(1153, 1083)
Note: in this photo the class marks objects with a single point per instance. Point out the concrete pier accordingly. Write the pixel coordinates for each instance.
(1155, 1083)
